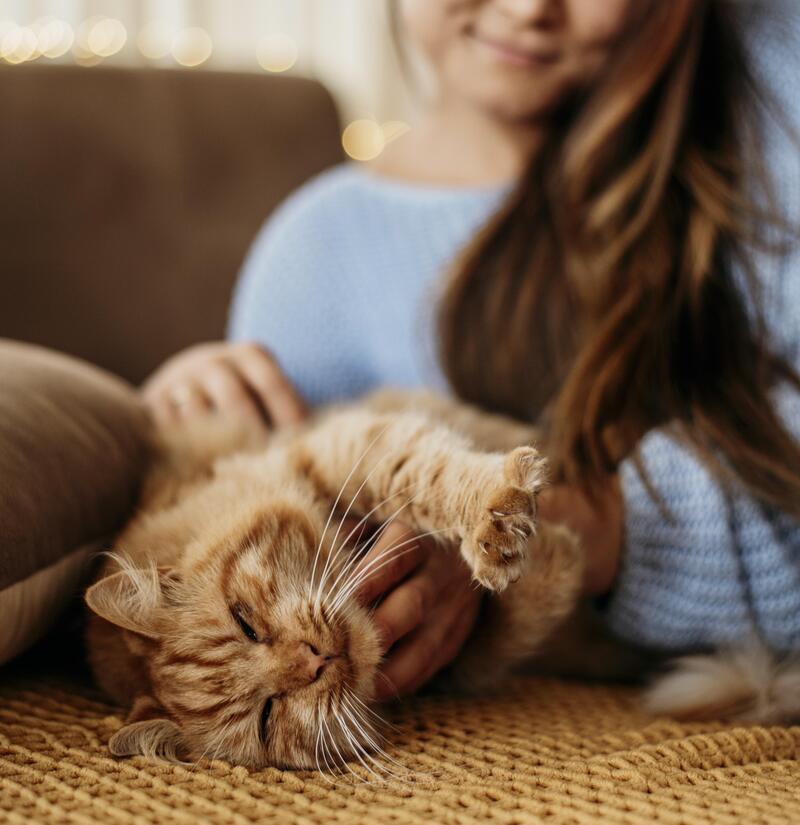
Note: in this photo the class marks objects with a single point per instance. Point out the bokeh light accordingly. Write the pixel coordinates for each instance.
(106, 37)
(54, 37)
(277, 52)
(17, 44)
(155, 40)
(365, 139)
(192, 47)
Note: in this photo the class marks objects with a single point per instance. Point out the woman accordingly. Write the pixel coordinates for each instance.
(579, 223)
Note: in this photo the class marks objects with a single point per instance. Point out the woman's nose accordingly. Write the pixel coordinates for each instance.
(532, 12)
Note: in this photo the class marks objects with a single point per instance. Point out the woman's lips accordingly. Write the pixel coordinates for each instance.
(516, 55)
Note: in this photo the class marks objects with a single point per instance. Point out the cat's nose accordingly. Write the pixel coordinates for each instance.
(314, 661)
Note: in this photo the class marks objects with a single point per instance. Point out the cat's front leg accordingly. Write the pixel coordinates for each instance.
(433, 479)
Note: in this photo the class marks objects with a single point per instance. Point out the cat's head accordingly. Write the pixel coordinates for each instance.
(247, 659)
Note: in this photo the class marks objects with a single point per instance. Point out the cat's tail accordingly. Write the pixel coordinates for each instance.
(751, 684)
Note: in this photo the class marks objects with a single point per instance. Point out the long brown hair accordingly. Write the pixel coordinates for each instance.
(603, 298)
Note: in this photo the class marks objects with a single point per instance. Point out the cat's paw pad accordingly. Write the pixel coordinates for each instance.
(497, 545)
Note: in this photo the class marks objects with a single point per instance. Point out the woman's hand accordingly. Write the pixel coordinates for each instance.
(429, 606)
(241, 380)
(599, 525)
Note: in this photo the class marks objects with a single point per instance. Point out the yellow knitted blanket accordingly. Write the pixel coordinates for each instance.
(544, 752)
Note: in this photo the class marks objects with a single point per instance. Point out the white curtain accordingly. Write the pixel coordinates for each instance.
(344, 43)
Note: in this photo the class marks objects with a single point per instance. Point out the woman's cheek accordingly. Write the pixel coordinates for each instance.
(435, 27)
(421, 25)
(592, 22)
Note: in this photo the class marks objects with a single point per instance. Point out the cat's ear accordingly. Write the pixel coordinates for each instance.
(148, 732)
(131, 598)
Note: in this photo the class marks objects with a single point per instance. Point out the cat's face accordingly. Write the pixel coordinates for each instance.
(249, 660)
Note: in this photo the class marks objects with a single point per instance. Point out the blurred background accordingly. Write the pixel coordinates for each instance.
(346, 44)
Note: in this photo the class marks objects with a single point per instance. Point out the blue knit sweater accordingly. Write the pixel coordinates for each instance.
(341, 285)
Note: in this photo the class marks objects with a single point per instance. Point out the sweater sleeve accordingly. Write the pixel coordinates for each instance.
(292, 292)
(724, 566)
(717, 568)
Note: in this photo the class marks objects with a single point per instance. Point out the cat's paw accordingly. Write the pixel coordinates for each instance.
(496, 544)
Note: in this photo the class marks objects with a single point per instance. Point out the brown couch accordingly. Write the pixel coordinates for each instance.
(129, 198)
(127, 201)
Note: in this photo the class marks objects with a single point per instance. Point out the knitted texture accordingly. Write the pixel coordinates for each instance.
(543, 751)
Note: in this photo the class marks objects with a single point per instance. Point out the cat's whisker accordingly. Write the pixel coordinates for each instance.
(327, 753)
(359, 724)
(359, 575)
(367, 729)
(343, 762)
(353, 561)
(370, 569)
(357, 748)
(341, 598)
(361, 748)
(351, 564)
(368, 544)
(363, 520)
(359, 712)
(352, 500)
(219, 739)
(338, 497)
(360, 753)
(331, 594)
(317, 744)
(374, 713)
(389, 682)
(330, 558)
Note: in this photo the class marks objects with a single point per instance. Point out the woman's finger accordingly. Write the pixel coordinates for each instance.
(405, 608)
(162, 412)
(280, 399)
(226, 391)
(396, 554)
(425, 652)
(188, 400)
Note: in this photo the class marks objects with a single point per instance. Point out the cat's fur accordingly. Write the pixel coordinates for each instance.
(226, 619)
(234, 539)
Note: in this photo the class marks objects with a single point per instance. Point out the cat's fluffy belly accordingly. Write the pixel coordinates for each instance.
(226, 620)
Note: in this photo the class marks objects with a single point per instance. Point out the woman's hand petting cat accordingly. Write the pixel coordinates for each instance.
(428, 607)
(242, 380)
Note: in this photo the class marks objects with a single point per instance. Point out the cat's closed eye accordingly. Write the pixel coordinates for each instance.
(265, 712)
(248, 631)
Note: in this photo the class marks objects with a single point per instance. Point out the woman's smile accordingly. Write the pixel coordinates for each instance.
(503, 50)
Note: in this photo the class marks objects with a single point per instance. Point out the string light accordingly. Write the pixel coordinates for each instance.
(277, 52)
(192, 47)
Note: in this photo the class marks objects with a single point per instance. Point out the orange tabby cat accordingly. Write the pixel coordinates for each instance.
(226, 618)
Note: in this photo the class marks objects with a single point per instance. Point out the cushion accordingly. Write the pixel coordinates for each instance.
(72, 452)
(544, 751)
